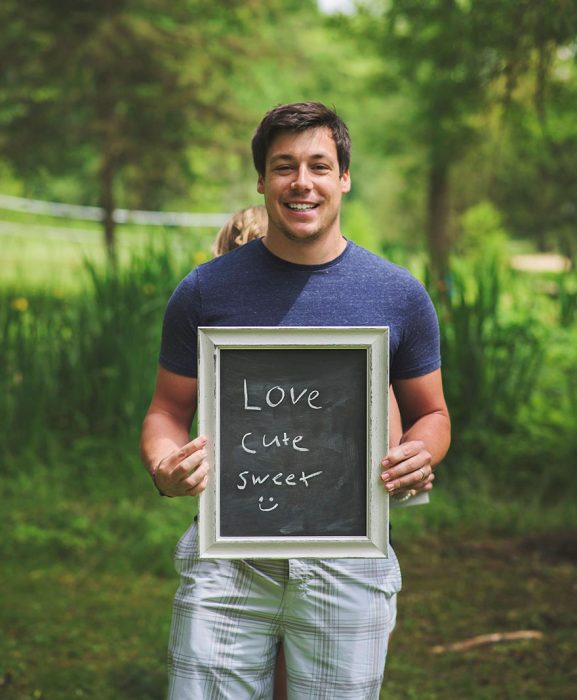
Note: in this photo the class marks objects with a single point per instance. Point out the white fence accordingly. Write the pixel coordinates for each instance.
(121, 216)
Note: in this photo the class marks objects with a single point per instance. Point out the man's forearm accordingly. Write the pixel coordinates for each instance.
(161, 435)
(434, 430)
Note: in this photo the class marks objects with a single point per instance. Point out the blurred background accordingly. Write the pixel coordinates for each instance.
(125, 130)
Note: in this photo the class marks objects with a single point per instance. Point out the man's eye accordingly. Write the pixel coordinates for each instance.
(283, 169)
(320, 166)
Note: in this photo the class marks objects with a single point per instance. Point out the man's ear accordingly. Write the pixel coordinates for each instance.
(260, 185)
(345, 182)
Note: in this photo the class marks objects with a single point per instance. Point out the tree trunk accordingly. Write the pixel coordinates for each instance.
(107, 203)
(438, 221)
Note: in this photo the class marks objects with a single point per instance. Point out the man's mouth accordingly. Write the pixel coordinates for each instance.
(300, 207)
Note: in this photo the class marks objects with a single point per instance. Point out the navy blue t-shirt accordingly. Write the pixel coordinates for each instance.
(252, 287)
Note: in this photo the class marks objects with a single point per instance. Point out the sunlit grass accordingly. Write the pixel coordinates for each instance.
(51, 254)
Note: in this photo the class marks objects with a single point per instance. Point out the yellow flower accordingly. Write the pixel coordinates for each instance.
(200, 257)
(20, 304)
(149, 289)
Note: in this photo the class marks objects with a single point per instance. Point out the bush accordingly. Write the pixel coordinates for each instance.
(83, 367)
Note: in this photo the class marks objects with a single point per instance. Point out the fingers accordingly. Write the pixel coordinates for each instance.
(405, 494)
(186, 451)
(408, 466)
(184, 472)
(427, 484)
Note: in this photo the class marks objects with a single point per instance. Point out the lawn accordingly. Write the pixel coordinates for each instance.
(88, 581)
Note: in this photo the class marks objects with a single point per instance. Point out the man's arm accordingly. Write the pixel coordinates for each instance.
(426, 436)
(177, 465)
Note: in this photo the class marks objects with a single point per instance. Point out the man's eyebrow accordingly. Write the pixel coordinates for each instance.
(288, 157)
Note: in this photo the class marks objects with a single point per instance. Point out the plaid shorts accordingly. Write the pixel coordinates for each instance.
(333, 616)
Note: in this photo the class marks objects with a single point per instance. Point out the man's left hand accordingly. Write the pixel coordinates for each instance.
(407, 467)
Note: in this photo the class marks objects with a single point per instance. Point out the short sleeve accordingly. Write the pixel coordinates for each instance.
(419, 352)
(178, 349)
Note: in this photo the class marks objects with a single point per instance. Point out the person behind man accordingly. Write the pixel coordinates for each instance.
(243, 226)
(334, 615)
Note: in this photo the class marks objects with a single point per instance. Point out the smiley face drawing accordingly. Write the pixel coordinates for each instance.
(266, 510)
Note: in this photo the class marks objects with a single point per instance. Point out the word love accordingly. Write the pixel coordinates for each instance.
(277, 395)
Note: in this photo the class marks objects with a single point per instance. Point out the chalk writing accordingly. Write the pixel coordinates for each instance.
(276, 395)
(250, 443)
(266, 510)
(280, 479)
(276, 440)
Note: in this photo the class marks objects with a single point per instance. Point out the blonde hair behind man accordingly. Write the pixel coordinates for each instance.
(242, 227)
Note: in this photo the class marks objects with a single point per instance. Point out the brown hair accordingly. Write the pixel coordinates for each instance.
(242, 227)
(299, 117)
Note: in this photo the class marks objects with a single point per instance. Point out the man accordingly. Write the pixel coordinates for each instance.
(333, 616)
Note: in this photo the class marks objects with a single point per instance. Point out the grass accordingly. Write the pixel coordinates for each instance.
(457, 587)
(48, 253)
(88, 583)
(88, 580)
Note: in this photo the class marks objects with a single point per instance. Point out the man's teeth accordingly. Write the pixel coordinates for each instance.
(301, 207)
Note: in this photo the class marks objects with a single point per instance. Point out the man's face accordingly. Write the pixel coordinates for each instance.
(302, 186)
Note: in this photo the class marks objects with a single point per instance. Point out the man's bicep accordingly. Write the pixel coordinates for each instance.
(175, 395)
(420, 396)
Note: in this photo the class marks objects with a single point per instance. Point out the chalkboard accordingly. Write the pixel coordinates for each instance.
(292, 419)
(293, 442)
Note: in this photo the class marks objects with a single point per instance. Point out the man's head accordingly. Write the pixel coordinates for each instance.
(296, 117)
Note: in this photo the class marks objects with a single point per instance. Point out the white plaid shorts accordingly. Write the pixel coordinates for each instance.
(333, 617)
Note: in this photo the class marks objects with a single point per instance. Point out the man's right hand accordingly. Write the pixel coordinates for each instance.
(183, 472)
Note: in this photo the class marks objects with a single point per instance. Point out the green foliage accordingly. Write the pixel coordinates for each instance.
(117, 93)
(492, 353)
(568, 298)
(83, 366)
(446, 69)
(483, 235)
(510, 383)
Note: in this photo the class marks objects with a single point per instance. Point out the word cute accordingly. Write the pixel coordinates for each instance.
(276, 395)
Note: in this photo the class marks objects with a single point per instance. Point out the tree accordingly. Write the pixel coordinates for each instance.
(117, 91)
(452, 59)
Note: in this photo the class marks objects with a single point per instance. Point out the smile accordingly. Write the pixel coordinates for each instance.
(301, 207)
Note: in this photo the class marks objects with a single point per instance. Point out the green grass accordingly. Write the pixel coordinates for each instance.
(49, 253)
(88, 583)
(457, 587)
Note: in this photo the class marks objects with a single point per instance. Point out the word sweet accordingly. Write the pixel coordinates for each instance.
(278, 479)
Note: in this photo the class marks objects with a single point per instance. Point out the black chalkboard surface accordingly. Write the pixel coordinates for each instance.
(296, 420)
(293, 442)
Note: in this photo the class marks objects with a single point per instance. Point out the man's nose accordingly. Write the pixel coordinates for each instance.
(302, 179)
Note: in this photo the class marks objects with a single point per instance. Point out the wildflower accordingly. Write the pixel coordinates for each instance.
(148, 289)
(20, 304)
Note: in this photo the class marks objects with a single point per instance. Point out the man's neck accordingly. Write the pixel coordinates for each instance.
(306, 252)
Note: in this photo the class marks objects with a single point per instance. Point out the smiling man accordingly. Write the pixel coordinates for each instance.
(303, 187)
(332, 616)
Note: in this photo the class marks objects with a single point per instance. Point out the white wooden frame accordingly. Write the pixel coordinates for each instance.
(375, 340)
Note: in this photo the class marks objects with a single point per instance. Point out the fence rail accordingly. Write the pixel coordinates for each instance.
(121, 216)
